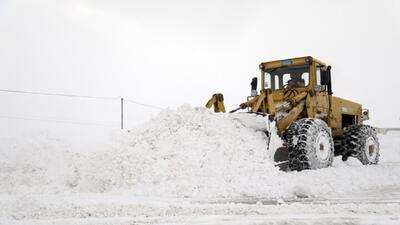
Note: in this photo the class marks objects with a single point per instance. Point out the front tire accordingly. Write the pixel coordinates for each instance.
(361, 142)
(310, 144)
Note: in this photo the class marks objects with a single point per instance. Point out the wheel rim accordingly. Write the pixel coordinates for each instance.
(323, 147)
(370, 149)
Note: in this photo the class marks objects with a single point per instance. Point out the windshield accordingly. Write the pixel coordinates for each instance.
(287, 77)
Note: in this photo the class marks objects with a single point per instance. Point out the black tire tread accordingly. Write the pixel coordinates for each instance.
(297, 138)
(355, 138)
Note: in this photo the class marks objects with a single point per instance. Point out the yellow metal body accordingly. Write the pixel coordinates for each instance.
(286, 105)
(336, 112)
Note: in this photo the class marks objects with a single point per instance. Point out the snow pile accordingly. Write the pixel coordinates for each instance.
(190, 152)
(35, 164)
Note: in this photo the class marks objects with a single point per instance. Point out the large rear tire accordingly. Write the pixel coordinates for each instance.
(361, 142)
(310, 144)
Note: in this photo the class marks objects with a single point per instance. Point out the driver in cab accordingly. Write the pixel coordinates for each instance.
(295, 81)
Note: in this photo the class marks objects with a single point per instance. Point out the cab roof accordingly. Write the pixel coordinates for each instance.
(290, 62)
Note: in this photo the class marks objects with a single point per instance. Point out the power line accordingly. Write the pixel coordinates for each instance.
(74, 96)
(143, 104)
(56, 121)
(57, 94)
(79, 96)
(52, 118)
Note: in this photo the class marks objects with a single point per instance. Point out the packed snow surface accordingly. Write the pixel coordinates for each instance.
(184, 153)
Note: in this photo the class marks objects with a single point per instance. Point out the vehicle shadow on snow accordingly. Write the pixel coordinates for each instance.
(282, 159)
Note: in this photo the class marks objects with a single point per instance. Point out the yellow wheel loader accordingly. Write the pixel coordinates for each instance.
(314, 125)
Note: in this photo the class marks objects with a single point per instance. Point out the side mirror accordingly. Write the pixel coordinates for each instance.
(253, 87)
(326, 79)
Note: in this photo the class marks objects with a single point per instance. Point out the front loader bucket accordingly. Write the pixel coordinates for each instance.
(252, 120)
(258, 122)
(276, 149)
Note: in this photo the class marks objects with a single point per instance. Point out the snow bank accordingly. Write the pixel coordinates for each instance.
(190, 152)
(35, 163)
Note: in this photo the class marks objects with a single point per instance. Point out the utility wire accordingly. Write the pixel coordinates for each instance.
(80, 96)
(142, 104)
(56, 94)
(57, 121)
(74, 96)
(57, 118)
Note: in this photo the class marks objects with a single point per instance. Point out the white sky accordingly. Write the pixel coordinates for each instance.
(168, 53)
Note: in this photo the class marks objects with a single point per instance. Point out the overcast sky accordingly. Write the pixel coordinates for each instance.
(168, 53)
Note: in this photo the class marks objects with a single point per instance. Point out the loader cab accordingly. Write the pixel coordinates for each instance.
(304, 73)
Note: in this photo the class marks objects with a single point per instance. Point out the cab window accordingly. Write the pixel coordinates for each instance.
(287, 77)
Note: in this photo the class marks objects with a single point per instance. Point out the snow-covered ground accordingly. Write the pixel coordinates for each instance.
(189, 166)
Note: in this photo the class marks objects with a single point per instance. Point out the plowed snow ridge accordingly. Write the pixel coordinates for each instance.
(190, 152)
